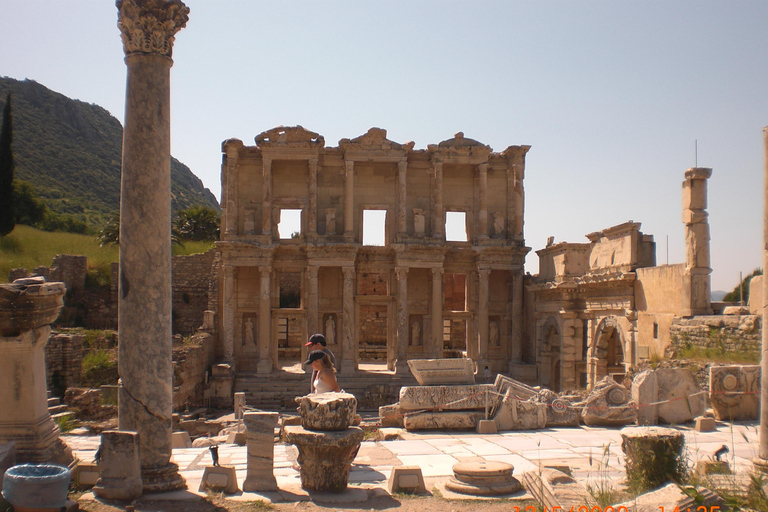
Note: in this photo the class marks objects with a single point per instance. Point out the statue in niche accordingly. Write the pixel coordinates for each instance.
(416, 333)
(330, 330)
(498, 224)
(330, 221)
(248, 337)
(418, 222)
(494, 336)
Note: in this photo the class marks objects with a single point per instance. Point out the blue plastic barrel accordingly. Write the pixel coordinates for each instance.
(36, 485)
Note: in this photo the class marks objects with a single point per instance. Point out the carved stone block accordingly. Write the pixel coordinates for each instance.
(735, 392)
(429, 372)
(327, 411)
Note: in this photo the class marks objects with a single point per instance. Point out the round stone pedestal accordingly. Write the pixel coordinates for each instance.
(487, 478)
(36, 487)
(654, 456)
(325, 457)
(165, 479)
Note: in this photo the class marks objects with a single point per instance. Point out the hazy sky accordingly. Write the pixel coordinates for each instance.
(611, 95)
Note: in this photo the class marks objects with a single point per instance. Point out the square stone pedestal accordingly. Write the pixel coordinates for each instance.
(219, 478)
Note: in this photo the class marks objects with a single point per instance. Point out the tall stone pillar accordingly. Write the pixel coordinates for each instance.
(228, 313)
(402, 168)
(482, 317)
(511, 214)
(144, 305)
(761, 461)
(265, 321)
(436, 348)
(402, 320)
(266, 197)
(482, 171)
(312, 300)
(570, 342)
(696, 280)
(348, 310)
(229, 185)
(349, 200)
(516, 352)
(312, 203)
(438, 213)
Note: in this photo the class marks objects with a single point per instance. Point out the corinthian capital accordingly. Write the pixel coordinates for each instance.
(149, 26)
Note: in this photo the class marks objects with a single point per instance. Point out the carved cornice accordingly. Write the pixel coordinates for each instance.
(149, 26)
(290, 136)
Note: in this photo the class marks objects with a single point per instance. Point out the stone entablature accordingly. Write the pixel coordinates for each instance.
(371, 301)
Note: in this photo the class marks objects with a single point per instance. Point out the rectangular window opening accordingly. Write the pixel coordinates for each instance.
(456, 227)
(290, 224)
(455, 292)
(374, 222)
(290, 289)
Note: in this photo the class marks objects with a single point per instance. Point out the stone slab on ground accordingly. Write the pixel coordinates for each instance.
(415, 398)
(430, 372)
(455, 420)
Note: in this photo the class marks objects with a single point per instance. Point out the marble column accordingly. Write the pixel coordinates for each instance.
(349, 200)
(312, 300)
(312, 203)
(516, 352)
(511, 185)
(402, 320)
(482, 317)
(482, 172)
(228, 313)
(348, 310)
(402, 203)
(761, 461)
(438, 213)
(436, 350)
(266, 195)
(696, 280)
(265, 321)
(144, 304)
(229, 186)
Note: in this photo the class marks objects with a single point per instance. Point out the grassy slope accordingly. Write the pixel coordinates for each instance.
(30, 248)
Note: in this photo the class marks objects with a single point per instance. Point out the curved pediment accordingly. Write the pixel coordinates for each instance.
(459, 142)
(290, 135)
(374, 138)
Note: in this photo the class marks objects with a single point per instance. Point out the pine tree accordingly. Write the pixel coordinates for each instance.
(7, 215)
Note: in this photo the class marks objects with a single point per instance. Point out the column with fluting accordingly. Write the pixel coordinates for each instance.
(761, 461)
(144, 304)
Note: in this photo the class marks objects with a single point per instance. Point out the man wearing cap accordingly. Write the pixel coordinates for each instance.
(317, 342)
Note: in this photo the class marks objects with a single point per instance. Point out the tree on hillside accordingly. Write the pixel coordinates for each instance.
(7, 215)
(198, 223)
(734, 296)
(29, 209)
(110, 233)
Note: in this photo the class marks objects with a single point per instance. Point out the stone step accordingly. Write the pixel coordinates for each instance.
(63, 415)
(54, 400)
(56, 409)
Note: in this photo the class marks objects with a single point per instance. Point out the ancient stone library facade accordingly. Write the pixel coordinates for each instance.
(401, 253)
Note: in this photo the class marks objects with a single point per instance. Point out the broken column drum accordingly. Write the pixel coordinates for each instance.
(27, 308)
(327, 443)
(144, 301)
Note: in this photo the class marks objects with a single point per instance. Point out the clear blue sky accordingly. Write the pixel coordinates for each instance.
(611, 95)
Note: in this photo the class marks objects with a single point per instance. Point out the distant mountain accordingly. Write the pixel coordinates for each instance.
(70, 151)
(717, 295)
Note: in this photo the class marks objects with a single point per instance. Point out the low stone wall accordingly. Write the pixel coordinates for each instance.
(191, 281)
(63, 362)
(190, 362)
(730, 333)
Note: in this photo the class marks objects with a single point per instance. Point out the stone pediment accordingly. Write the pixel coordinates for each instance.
(462, 145)
(295, 136)
(374, 139)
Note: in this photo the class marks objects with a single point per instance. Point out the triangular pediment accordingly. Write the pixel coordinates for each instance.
(289, 135)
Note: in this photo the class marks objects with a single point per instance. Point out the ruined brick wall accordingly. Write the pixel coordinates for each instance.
(190, 362)
(191, 282)
(63, 361)
(730, 333)
(66, 268)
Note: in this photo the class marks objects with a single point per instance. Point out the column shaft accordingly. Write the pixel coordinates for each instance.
(402, 318)
(436, 348)
(511, 181)
(228, 316)
(482, 315)
(349, 199)
(438, 214)
(482, 171)
(516, 354)
(763, 451)
(265, 321)
(312, 300)
(348, 307)
(312, 203)
(266, 201)
(402, 167)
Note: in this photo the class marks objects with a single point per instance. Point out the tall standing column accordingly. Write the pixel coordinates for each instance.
(266, 197)
(438, 217)
(696, 280)
(312, 204)
(511, 184)
(436, 350)
(402, 320)
(229, 186)
(761, 461)
(348, 310)
(265, 321)
(402, 167)
(312, 300)
(144, 304)
(349, 200)
(228, 313)
(482, 317)
(482, 171)
(516, 352)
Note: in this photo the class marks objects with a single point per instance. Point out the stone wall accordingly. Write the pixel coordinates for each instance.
(191, 282)
(191, 360)
(63, 361)
(730, 333)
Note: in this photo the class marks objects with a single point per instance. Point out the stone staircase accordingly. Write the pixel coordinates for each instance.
(277, 390)
(56, 409)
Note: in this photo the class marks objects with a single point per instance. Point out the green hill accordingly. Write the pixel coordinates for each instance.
(70, 152)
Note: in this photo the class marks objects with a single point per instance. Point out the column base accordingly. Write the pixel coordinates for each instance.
(164, 479)
(402, 368)
(264, 366)
(760, 465)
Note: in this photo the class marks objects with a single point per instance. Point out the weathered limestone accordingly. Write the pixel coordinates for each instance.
(486, 478)
(514, 414)
(696, 282)
(27, 307)
(734, 392)
(761, 461)
(667, 395)
(325, 457)
(144, 308)
(327, 411)
(406, 479)
(455, 420)
(477, 396)
(391, 416)
(609, 404)
(654, 456)
(36, 487)
(7, 458)
(429, 372)
(554, 489)
(560, 411)
(121, 477)
(219, 478)
(674, 498)
(260, 432)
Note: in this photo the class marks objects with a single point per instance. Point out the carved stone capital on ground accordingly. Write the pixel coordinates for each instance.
(149, 26)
